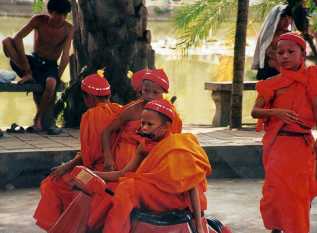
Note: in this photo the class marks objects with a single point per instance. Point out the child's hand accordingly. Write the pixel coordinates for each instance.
(286, 115)
(109, 164)
(59, 171)
(141, 150)
(199, 227)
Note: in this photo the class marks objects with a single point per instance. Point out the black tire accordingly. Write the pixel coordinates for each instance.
(215, 224)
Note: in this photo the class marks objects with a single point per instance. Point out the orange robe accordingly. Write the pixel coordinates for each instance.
(174, 166)
(127, 140)
(289, 161)
(56, 195)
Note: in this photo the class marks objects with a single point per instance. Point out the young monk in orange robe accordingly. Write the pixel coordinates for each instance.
(287, 105)
(56, 191)
(151, 84)
(168, 172)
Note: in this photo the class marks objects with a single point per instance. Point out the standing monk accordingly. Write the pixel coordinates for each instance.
(52, 40)
(287, 108)
(151, 84)
(56, 190)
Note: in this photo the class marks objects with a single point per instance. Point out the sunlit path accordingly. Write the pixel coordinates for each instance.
(235, 202)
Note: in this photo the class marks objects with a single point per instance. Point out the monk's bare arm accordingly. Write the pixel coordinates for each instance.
(130, 167)
(286, 115)
(194, 198)
(259, 111)
(18, 42)
(65, 55)
(66, 167)
(116, 125)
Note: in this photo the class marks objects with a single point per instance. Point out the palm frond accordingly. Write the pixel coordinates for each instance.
(261, 9)
(195, 22)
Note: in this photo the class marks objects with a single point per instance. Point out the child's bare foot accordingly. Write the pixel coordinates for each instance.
(26, 78)
(37, 125)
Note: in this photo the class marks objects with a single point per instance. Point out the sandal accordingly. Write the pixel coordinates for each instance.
(32, 129)
(54, 131)
(15, 128)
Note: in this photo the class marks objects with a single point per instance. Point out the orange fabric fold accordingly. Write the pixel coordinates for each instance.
(126, 141)
(93, 122)
(57, 194)
(289, 161)
(174, 166)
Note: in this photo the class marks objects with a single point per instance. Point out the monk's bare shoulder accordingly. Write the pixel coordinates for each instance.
(132, 110)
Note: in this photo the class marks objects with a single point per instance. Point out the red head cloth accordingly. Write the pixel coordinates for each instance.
(162, 106)
(157, 76)
(291, 36)
(96, 84)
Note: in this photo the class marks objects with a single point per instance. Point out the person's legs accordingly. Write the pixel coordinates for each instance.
(36, 100)
(11, 52)
(46, 101)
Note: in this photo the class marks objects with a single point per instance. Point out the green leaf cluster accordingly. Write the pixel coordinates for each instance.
(196, 22)
(38, 6)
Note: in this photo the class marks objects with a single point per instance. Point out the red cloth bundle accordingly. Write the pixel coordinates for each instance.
(74, 218)
(88, 181)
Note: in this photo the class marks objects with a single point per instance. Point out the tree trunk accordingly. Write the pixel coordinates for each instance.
(110, 34)
(114, 35)
(238, 67)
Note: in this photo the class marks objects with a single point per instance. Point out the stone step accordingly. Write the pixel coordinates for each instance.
(25, 159)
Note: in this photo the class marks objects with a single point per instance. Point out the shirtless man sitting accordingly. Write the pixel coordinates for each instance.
(52, 40)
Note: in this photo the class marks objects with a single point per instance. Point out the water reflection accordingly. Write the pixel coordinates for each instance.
(187, 77)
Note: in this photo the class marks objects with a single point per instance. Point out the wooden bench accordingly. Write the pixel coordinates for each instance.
(221, 95)
(28, 87)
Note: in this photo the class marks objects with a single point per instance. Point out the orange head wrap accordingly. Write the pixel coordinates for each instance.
(157, 76)
(162, 106)
(96, 84)
(291, 36)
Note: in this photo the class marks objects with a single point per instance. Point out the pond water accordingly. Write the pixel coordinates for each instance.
(211, 62)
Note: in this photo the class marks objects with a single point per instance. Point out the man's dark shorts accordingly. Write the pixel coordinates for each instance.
(41, 68)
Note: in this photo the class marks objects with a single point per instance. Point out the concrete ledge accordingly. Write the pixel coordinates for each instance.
(27, 169)
(236, 161)
(26, 159)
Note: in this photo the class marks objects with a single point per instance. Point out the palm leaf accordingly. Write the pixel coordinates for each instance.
(196, 22)
(261, 9)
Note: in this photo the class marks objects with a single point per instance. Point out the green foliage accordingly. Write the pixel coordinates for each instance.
(38, 6)
(161, 11)
(312, 9)
(196, 22)
(261, 9)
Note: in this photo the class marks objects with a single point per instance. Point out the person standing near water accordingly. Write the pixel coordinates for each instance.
(276, 23)
(286, 107)
(52, 40)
